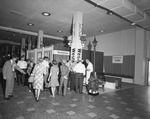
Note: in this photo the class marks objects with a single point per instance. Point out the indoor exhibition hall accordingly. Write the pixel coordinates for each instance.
(75, 59)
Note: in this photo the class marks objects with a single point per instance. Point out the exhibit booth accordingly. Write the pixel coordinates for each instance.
(52, 52)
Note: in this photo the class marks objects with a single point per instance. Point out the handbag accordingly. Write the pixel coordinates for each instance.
(47, 84)
(31, 79)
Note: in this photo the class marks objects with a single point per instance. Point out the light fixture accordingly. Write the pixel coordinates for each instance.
(132, 24)
(101, 31)
(70, 38)
(59, 31)
(109, 13)
(94, 42)
(46, 14)
(30, 24)
(83, 40)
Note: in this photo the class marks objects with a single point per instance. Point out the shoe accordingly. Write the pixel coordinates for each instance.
(7, 98)
(46, 89)
(37, 100)
(11, 96)
(52, 96)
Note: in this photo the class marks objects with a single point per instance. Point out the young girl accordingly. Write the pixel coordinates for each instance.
(38, 72)
(29, 76)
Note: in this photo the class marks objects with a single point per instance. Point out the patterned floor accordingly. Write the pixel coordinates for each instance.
(130, 103)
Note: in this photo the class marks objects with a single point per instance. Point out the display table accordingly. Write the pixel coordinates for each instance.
(111, 85)
(114, 79)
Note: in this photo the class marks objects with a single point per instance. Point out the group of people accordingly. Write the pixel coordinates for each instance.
(47, 75)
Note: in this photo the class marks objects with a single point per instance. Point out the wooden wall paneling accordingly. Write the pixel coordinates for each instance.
(107, 64)
(128, 65)
(116, 68)
(86, 54)
(126, 69)
(59, 58)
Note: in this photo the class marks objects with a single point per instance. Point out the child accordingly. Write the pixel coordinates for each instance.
(29, 76)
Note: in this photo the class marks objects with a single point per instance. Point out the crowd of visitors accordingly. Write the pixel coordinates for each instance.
(57, 77)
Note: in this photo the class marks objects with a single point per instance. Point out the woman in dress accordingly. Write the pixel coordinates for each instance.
(53, 77)
(38, 72)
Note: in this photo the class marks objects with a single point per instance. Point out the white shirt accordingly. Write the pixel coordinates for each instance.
(89, 67)
(22, 64)
(13, 65)
(79, 68)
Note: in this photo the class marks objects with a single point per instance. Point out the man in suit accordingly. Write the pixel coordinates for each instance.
(8, 75)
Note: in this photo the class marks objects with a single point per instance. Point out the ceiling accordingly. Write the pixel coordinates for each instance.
(16, 14)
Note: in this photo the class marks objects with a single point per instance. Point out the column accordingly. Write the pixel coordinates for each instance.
(23, 46)
(13, 49)
(76, 46)
(40, 39)
(6, 51)
(29, 42)
(140, 57)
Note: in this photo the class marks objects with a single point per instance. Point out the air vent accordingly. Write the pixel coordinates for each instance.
(125, 9)
(144, 22)
(15, 13)
(110, 4)
(136, 16)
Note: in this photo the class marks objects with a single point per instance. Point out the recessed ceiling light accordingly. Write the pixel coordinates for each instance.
(133, 24)
(59, 31)
(46, 14)
(109, 13)
(101, 31)
(30, 24)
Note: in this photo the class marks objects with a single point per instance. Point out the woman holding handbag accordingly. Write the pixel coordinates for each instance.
(53, 77)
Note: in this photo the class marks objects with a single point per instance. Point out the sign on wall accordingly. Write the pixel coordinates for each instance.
(60, 52)
(117, 59)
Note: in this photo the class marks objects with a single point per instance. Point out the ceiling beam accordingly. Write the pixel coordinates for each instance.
(9, 42)
(28, 32)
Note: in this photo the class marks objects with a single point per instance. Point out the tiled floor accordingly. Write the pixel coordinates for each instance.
(130, 103)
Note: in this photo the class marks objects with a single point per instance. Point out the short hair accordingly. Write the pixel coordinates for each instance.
(28, 60)
(13, 56)
(87, 60)
(40, 60)
(22, 56)
(54, 62)
(45, 57)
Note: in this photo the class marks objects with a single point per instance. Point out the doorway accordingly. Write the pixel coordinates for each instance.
(148, 72)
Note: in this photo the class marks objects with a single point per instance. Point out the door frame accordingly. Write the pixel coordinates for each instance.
(147, 80)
